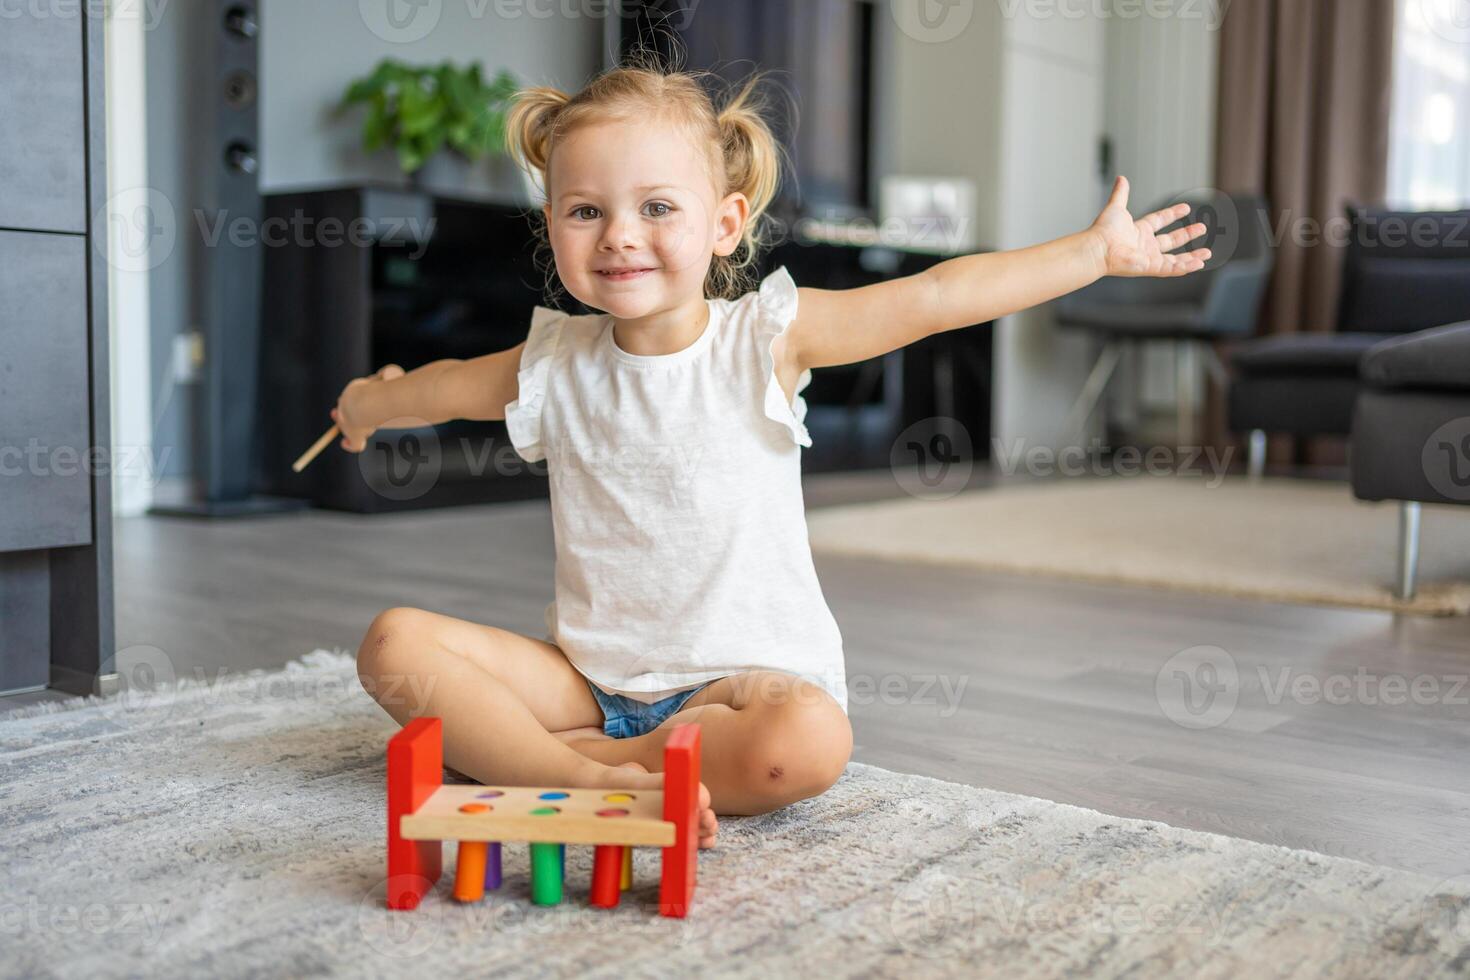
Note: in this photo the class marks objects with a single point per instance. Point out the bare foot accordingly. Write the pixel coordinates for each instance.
(709, 824)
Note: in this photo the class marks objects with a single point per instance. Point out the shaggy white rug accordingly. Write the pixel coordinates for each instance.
(235, 828)
(1302, 541)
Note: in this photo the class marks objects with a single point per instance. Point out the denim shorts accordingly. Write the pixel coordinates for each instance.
(624, 717)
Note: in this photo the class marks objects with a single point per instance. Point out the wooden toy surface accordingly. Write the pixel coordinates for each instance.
(567, 816)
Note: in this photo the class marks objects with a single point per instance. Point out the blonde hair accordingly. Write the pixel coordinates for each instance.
(746, 154)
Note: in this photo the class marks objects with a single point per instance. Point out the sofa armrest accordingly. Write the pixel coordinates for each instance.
(1438, 358)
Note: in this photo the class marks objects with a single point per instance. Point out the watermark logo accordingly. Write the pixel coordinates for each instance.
(1198, 688)
(932, 21)
(1097, 459)
(146, 693)
(1224, 224)
(25, 921)
(150, 12)
(942, 692)
(1368, 230)
(401, 21)
(141, 229)
(930, 912)
(1448, 19)
(662, 668)
(403, 462)
(1083, 910)
(1363, 687)
(933, 458)
(1212, 12)
(1446, 459)
(400, 933)
(38, 459)
(929, 231)
(1446, 916)
(673, 464)
(304, 231)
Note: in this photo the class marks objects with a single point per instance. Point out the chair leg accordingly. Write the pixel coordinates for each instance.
(1255, 466)
(1185, 374)
(1216, 367)
(1096, 384)
(1409, 511)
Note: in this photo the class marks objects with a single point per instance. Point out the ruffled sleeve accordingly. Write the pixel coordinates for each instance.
(523, 416)
(776, 305)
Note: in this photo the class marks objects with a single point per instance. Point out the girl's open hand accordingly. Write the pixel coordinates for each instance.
(1135, 248)
(348, 414)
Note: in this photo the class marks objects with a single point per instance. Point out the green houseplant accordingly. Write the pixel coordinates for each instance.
(420, 110)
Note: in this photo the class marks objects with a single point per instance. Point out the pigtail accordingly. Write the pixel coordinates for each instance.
(752, 161)
(530, 125)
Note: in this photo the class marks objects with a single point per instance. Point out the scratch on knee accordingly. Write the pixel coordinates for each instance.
(381, 640)
(776, 772)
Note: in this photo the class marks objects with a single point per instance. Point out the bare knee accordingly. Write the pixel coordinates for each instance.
(801, 748)
(380, 657)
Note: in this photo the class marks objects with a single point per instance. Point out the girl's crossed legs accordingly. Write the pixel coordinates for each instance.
(516, 712)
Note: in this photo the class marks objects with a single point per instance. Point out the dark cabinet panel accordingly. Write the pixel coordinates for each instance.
(43, 152)
(25, 622)
(45, 483)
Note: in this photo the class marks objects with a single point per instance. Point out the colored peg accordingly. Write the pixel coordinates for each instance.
(607, 874)
(546, 874)
(492, 868)
(469, 871)
(627, 881)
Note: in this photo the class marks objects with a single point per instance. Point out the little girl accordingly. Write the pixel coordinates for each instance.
(671, 426)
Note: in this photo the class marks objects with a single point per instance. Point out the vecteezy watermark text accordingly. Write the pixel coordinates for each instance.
(1097, 459)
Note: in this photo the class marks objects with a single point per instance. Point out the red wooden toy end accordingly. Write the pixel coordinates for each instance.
(415, 771)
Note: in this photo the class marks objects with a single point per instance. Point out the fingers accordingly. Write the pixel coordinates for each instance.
(346, 441)
(1162, 219)
(1182, 236)
(1183, 265)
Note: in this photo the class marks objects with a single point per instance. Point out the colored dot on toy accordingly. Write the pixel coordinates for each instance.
(489, 794)
(545, 811)
(618, 798)
(554, 796)
(476, 808)
(613, 811)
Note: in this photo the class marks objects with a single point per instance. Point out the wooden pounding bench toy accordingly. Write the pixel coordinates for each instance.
(423, 813)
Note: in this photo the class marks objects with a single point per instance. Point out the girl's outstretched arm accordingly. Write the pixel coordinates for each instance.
(439, 391)
(843, 326)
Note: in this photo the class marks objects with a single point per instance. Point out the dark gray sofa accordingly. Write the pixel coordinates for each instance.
(1411, 430)
(1404, 271)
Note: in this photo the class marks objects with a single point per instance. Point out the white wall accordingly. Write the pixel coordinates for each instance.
(1160, 102)
(127, 286)
(1051, 123)
(311, 50)
(1013, 103)
(1018, 101)
(1160, 113)
(941, 108)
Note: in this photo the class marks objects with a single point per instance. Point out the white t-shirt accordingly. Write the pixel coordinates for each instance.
(681, 540)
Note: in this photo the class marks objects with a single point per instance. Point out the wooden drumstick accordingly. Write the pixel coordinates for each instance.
(315, 449)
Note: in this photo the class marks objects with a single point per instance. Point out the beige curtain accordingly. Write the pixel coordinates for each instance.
(1303, 119)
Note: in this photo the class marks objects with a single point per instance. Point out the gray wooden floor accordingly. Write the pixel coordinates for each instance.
(1029, 686)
